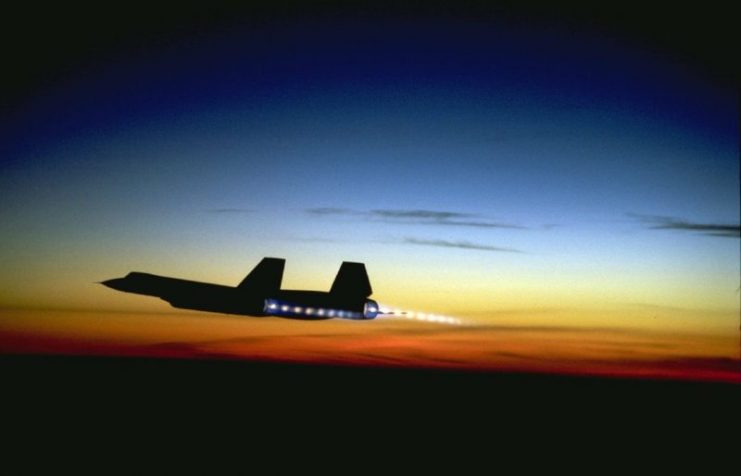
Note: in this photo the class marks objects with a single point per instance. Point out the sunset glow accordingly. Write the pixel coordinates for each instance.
(526, 196)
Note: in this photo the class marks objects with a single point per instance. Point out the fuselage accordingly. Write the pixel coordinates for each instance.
(294, 304)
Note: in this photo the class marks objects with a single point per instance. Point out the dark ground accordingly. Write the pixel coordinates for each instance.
(127, 412)
(327, 393)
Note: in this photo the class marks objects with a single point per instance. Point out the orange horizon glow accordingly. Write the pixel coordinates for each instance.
(493, 347)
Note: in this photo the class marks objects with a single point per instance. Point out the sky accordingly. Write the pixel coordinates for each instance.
(493, 167)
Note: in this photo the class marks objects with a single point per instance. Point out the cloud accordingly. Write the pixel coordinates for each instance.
(414, 216)
(466, 245)
(331, 211)
(422, 217)
(478, 224)
(655, 222)
(599, 351)
(230, 210)
(419, 214)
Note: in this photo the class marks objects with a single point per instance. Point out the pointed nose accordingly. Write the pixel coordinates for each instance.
(117, 283)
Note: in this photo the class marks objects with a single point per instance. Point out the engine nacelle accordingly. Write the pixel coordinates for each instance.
(274, 307)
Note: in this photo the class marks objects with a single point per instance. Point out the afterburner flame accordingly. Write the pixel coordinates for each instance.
(397, 313)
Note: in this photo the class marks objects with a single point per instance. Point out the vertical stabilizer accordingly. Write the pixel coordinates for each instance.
(351, 281)
(265, 278)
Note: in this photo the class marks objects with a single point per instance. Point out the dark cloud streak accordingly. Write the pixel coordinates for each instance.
(466, 245)
(414, 217)
(230, 210)
(654, 222)
(421, 214)
(331, 211)
(477, 224)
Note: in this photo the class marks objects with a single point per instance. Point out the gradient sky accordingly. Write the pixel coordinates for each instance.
(479, 168)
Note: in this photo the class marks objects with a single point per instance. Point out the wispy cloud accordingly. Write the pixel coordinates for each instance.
(229, 210)
(655, 222)
(476, 224)
(466, 245)
(416, 217)
(419, 214)
(331, 211)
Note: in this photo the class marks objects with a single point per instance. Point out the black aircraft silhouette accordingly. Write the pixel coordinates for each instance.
(259, 294)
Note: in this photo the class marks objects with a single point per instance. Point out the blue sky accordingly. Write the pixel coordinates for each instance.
(202, 157)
